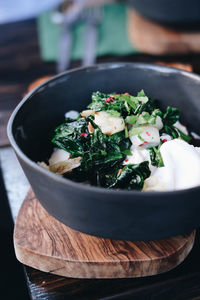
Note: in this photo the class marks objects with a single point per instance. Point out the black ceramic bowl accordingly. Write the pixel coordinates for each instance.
(169, 12)
(126, 215)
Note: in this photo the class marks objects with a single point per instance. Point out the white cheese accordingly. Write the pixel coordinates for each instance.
(181, 168)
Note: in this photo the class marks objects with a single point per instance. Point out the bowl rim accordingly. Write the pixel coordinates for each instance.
(78, 185)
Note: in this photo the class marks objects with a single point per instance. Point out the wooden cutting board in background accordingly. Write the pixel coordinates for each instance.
(46, 244)
(152, 38)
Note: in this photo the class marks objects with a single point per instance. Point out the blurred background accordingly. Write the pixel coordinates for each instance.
(39, 39)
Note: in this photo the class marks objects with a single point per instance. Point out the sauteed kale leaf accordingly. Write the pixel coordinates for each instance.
(155, 156)
(125, 104)
(99, 152)
(131, 177)
(69, 136)
(111, 133)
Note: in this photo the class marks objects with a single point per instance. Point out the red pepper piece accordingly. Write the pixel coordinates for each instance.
(148, 133)
(109, 99)
(84, 134)
(145, 142)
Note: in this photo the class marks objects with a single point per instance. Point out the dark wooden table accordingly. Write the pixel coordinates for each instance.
(20, 64)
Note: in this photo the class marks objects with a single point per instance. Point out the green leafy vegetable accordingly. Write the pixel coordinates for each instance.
(113, 113)
(155, 155)
(102, 155)
(98, 151)
(156, 113)
(68, 136)
(184, 136)
(171, 115)
(125, 104)
(171, 130)
(132, 176)
(131, 119)
(143, 118)
(135, 131)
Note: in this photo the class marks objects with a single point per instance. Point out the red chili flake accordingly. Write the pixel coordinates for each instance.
(126, 124)
(109, 99)
(127, 94)
(115, 127)
(84, 134)
(164, 141)
(148, 133)
(117, 142)
(145, 142)
(126, 160)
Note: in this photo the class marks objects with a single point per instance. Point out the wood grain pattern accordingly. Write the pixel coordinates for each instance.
(48, 245)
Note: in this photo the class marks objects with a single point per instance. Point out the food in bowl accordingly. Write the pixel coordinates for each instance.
(123, 141)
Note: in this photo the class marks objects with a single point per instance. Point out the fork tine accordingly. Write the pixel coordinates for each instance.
(93, 16)
(64, 50)
(90, 43)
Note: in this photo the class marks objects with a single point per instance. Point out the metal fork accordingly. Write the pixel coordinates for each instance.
(93, 17)
(79, 11)
(67, 20)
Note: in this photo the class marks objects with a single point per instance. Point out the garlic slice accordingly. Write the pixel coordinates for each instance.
(66, 166)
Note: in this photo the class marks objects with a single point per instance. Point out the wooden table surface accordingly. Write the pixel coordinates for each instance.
(20, 64)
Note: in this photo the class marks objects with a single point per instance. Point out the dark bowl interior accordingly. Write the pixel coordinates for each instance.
(106, 213)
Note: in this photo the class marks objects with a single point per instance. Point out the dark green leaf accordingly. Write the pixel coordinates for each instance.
(155, 155)
(184, 136)
(171, 130)
(171, 115)
(132, 176)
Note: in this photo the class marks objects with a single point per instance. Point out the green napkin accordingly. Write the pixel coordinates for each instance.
(112, 39)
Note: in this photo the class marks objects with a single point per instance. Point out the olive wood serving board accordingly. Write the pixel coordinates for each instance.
(46, 244)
